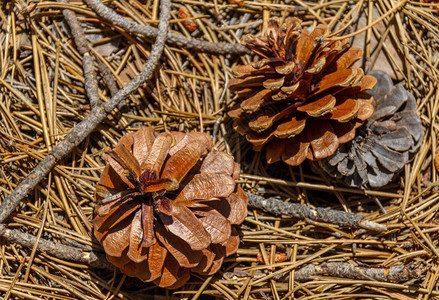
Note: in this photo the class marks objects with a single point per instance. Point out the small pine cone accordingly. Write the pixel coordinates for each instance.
(168, 205)
(301, 98)
(385, 143)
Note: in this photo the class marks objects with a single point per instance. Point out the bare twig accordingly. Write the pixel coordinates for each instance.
(400, 273)
(280, 208)
(87, 60)
(86, 126)
(135, 28)
(56, 249)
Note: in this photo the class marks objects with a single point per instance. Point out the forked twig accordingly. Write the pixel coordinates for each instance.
(87, 60)
(78, 133)
(132, 27)
(281, 208)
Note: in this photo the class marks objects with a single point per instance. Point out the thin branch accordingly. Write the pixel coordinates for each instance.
(87, 61)
(56, 249)
(399, 273)
(395, 274)
(132, 27)
(78, 133)
(299, 211)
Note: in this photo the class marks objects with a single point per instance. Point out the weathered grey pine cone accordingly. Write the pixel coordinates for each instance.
(385, 143)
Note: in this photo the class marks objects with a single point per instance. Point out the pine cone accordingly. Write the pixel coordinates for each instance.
(168, 206)
(385, 143)
(301, 98)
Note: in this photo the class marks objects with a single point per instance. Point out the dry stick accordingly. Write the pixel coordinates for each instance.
(135, 28)
(86, 126)
(295, 210)
(56, 249)
(83, 49)
(393, 274)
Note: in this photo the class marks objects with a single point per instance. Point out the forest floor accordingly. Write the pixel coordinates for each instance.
(44, 74)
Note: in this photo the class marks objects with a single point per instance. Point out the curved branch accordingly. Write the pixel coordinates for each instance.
(299, 211)
(132, 27)
(78, 133)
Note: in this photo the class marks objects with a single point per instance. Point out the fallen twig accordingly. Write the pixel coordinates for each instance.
(78, 133)
(87, 61)
(135, 28)
(400, 273)
(281, 208)
(56, 249)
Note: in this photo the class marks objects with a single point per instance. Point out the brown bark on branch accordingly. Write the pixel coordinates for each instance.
(132, 27)
(78, 133)
(299, 211)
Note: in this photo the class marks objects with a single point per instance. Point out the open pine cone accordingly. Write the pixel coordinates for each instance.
(301, 99)
(385, 143)
(167, 206)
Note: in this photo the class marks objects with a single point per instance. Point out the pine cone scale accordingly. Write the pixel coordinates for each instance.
(178, 248)
(215, 224)
(136, 252)
(156, 259)
(323, 139)
(142, 144)
(296, 150)
(217, 162)
(182, 161)
(156, 157)
(292, 127)
(117, 241)
(318, 107)
(184, 223)
(206, 186)
(147, 226)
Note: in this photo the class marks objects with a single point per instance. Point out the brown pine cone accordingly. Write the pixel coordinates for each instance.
(385, 143)
(301, 99)
(168, 206)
